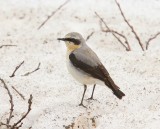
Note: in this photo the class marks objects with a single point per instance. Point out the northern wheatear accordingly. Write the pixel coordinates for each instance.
(85, 66)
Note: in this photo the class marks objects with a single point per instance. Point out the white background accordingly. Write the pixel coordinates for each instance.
(56, 94)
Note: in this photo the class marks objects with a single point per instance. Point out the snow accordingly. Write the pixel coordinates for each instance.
(56, 94)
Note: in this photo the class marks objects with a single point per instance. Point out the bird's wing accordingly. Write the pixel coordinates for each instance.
(87, 61)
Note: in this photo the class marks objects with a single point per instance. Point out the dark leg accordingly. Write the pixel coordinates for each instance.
(92, 92)
(81, 104)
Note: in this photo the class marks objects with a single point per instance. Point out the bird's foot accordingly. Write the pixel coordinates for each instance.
(81, 104)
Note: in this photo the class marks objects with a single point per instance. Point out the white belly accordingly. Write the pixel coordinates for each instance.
(81, 76)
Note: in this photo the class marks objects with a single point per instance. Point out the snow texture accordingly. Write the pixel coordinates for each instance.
(56, 94)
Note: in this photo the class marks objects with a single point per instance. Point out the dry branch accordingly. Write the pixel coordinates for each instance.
(24, 116)
(128, 48)
(131, 27)
(17, 67)
(150, 39)
(114, 33)
(90, 35)
(53, 13)
(19, 123)
(21, 95)
(1, 123)
(8, 46)
(19, 126)
(28, 73)
(11, 103)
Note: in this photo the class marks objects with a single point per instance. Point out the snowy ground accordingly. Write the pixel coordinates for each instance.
(55, 93)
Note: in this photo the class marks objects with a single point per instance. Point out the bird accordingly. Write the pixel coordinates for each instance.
(85, 66)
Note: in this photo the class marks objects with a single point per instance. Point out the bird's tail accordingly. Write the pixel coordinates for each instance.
(119, 94)
(116, 90)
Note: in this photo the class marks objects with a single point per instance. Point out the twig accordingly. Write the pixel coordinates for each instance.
(19, 123)
(17, 67)
(19, 126)
(8, 46)
(113, 33)
(26, 74)
(11, 102)
(128, 48)
(150, 39)
(131, 27)
(1, 123)
(88, 37)
(53, 13)
(24, 116)
(22, 96)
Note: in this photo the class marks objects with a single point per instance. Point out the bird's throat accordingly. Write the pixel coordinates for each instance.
(72, 47)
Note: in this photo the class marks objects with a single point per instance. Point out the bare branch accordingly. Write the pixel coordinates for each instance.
(131, 27)
(11, 102)
(19, 126)
(8, 46)
(101, 19)
(28, 73)
(22, 96)
(17, 67)
(19, 123)
(150, 39)
(113, 33)
(128, 48)
(1, 123)
(24, 116)
(90, 35)
(53, 13)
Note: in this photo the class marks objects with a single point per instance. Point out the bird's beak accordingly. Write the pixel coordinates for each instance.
(63, 39)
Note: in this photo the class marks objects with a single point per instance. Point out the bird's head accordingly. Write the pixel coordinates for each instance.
(73, 40)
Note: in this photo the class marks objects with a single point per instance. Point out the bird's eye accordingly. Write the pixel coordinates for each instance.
(75, 41)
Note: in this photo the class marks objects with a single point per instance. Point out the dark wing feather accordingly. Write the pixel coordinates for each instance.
(108, 79)
(92, 70)
(92, 66)
(96, 69)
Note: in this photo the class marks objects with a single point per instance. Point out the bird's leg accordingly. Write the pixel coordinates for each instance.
(81, 104)
(91, 98)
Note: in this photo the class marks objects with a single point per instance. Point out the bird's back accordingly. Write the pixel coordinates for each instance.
(87, 55)
(86, 60)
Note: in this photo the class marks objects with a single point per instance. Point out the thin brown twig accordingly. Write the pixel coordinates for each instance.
(128, 48)
(24, 116)
(1, 123)
(53, 13)
(21, 95)
(17, 67)
(131, 27)
(126, 41)
(101, 19)
(19, 125)
(11, 102)
(28, 73)
(121, 35)
(150, 39)
(90, 35)
(8, 46)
